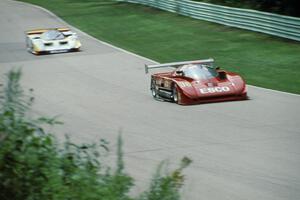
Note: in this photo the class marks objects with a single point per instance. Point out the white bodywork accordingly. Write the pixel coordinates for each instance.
(52, 41)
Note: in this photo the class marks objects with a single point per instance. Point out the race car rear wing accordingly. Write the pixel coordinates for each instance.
(177, 64)
(40, 31)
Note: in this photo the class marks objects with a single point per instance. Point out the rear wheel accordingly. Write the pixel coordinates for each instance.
(153, 89)
(175, 94)
(30, 48)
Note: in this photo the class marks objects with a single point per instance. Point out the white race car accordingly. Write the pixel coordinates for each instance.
(56, 40)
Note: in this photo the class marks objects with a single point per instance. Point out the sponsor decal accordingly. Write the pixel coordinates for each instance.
(214, 90)
(185, 84)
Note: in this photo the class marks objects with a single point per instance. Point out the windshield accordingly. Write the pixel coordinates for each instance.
(199, 71)
(52, 35)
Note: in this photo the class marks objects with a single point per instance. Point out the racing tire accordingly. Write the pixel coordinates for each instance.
(28, 45)
(75, 50)
(175, 94)
(153, 89)
(30, 49)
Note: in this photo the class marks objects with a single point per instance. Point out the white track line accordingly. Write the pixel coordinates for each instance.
(133, 54)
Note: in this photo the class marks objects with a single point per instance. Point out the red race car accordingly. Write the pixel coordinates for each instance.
(194, 82)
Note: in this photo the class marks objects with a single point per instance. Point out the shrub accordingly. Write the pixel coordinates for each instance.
(33, 165)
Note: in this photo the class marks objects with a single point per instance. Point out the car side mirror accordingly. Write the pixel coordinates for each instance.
(179, 73)
(222, 75)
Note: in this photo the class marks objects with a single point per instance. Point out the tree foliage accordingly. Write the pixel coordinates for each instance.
(33, 165)
(285, 7)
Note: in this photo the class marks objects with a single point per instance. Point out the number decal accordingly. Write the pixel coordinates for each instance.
(214, 89)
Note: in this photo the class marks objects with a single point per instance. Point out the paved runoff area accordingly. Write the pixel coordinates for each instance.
(240, 150)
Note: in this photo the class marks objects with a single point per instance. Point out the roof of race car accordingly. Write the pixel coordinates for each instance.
(194, 65)
(178, 64)
(198, 71)
(52, 35)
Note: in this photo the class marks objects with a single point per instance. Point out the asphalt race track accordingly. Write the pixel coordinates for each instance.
(240, 150)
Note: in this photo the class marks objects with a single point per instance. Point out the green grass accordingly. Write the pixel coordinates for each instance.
(261, 59)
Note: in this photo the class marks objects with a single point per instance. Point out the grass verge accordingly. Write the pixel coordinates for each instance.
(263, 60)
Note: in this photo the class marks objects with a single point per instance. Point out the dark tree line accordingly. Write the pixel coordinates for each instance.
(285, 7)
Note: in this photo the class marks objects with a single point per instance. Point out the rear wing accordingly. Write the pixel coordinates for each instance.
(177, 64)
(40, 31)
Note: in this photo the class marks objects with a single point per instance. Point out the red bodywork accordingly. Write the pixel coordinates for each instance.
(227, 86)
